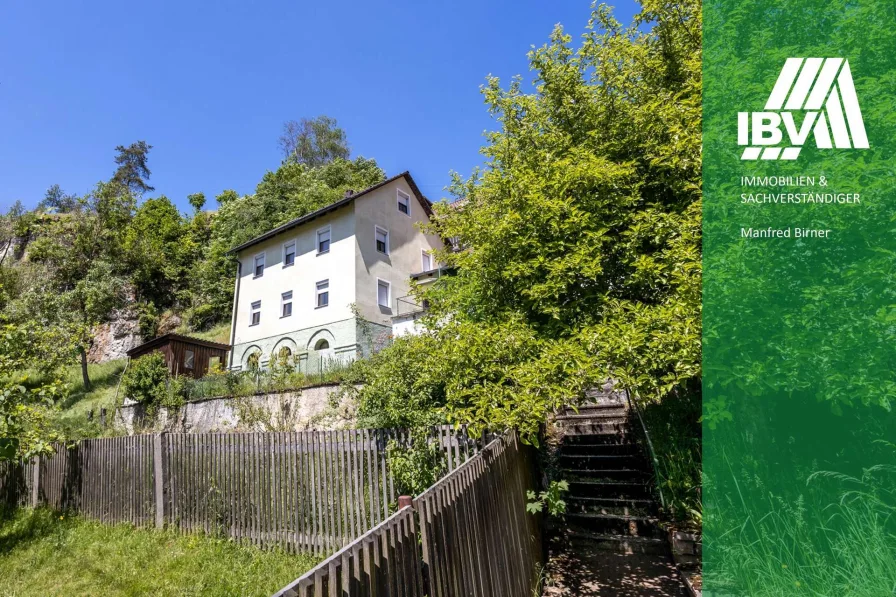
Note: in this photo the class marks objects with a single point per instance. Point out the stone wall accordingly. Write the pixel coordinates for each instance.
(321, 407)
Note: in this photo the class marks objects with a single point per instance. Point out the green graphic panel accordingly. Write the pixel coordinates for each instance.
(799, 298)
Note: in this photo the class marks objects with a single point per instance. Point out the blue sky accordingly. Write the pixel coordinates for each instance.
(209, 86)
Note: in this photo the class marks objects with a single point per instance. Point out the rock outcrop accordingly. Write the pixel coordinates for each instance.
(114, 339)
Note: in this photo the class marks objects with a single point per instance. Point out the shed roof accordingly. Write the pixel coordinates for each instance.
(165, 339)
(424, 202)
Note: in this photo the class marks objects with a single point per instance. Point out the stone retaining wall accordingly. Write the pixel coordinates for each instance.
(321, 407)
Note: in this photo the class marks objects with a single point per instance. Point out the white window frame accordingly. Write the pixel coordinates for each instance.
(317, 240)
(284, 300)
(388, 284)
(254, 307)
(423, 255)
(376, 230)
(294, 252)
(318, 291)
(399, 194)
(264, 260)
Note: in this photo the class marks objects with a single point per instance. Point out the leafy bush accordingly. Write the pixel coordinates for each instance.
(403, 385)
(417, 466)
(146, 379)
(552, 498)
(674, 428)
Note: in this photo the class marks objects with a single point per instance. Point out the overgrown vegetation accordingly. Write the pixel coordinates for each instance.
(47, 553)
(75, 262)
(417, 466)
(675, 433)
(580, 242)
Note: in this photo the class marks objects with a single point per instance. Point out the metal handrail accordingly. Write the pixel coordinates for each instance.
(653, 458)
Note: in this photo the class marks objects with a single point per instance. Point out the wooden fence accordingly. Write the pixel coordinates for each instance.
(15, 483)
(475, 538)
(311, 491)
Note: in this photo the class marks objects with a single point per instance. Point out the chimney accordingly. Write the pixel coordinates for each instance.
(349, 193)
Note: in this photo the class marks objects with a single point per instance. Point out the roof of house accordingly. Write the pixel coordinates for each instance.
(165, 339)
(427, 207)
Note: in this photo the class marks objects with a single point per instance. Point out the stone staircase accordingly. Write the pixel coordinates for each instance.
(610, 543)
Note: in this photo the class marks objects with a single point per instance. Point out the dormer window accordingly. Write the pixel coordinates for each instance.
(404, 203)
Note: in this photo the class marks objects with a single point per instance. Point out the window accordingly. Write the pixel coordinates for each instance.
(189, 357)
(289, 253)
(321, 344)
(323, 293)
(404, 203)
(382, 293)
(255, 316)
(323, 240)
(286, 304)
(427, 261)
(259, 265)
(382, 240)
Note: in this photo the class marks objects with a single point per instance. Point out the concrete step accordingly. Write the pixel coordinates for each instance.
(600, 450)
(571, 417)
(612, 475)
(615, 524)
(592, 428)
(603, 489)
(623, 440)
(596, 409)
(622, 507)
(624, 544)
(589, 461)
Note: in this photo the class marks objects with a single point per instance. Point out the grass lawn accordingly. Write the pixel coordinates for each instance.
(43, 554)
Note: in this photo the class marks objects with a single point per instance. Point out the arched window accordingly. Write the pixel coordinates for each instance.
(322, 344)
(254, 361)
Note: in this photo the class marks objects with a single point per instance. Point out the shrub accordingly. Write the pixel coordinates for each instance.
(415, 467)
(146, 379)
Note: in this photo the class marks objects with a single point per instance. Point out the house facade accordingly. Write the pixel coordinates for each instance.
(325, 287)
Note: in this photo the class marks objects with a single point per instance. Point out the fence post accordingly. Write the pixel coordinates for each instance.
(160, 475)
(405, 500)
(35, 481)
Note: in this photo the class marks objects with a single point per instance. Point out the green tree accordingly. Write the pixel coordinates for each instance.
(581, 239)
(23, 409)
(313, 141)
(82, 257)
(197, 201)
(133, 172)
(58, 201)
(157, 250)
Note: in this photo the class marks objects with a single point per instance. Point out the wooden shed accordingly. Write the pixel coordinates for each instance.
(183, 354)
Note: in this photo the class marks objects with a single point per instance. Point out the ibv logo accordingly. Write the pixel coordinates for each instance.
(821, 91)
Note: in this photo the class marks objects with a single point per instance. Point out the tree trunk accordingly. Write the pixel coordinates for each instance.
(84, 375)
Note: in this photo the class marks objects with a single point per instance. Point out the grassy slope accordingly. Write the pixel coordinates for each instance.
(219, 333)
(41, 554)
(104, 378)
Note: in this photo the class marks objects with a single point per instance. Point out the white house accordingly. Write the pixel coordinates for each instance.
(327, 284)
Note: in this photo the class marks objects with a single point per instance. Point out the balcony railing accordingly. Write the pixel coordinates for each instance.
(407, 305)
